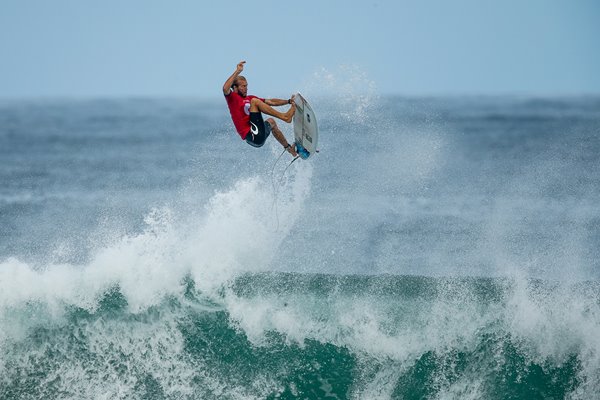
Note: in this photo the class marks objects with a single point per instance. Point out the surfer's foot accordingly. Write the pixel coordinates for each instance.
(287, 117)
(292, 150)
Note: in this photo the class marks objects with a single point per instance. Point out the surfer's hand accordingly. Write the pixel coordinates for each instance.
(240, 66)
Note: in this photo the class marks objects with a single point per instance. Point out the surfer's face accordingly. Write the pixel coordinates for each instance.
(242, 88)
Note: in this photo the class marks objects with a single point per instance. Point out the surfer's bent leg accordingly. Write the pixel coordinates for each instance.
(257, 105)
(279, 136)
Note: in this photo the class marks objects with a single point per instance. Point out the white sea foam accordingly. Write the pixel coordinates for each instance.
(235, 234)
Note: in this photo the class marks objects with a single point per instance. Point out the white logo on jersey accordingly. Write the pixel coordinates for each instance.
(247, 108)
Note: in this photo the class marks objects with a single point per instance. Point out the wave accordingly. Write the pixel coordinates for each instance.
(287, 335)
(192, 308)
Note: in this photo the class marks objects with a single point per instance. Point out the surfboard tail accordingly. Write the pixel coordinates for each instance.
(302, 152)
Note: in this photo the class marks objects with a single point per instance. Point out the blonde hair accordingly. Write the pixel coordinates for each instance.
(237, 79)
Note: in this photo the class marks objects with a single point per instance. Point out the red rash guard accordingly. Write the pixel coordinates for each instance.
(239, 108)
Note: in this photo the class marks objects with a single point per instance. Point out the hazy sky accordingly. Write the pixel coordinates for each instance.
(188, 48)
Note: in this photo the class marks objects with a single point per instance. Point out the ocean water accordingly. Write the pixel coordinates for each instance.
(435, 248)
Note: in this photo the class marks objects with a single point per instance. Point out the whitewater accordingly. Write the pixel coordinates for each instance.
(435, 248)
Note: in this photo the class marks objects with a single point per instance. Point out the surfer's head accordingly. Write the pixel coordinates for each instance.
(240, 85)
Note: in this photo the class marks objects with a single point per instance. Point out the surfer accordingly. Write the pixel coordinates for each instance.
(246, 112)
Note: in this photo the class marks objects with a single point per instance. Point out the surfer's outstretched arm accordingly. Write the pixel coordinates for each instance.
(279, 102)
(229, 81)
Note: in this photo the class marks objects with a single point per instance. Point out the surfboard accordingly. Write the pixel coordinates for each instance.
(306, 131)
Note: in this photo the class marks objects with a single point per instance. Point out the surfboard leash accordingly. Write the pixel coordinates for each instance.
(286, 168)
(273, 168)
(276, 187)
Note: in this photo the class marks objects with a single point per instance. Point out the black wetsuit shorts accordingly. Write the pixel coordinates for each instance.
(259, 130)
